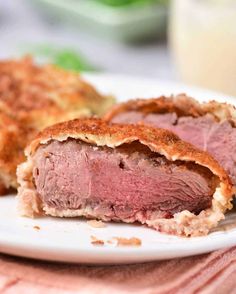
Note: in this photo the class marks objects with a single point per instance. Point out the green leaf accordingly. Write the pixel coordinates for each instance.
(65, 58)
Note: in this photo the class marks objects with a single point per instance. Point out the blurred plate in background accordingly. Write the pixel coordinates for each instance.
(126, 23)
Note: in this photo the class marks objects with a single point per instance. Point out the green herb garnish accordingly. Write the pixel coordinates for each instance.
(65, 58)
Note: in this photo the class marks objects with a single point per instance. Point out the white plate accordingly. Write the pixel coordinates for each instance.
(69, 240)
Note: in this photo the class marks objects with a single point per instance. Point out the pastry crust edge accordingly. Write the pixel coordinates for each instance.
(100, 133)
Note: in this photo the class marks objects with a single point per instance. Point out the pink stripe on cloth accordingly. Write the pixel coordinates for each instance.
(209, 273)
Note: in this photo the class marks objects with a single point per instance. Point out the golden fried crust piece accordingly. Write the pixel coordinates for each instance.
(40, 96)
(100, 133)
(13, 140)
(181, 104)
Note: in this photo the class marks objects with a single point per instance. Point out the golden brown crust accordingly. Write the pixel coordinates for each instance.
(181, 104)
(43, 95)
(100, 133)
(13, 140)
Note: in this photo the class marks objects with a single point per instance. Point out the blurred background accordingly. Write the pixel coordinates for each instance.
(191, 41)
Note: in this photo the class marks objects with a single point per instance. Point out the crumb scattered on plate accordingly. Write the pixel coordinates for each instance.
(96, 224)
(96, 241)
(125, 241)
(36, 228)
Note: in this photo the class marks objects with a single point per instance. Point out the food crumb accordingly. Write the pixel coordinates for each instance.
(96, 224)
(125, 241)
(97, 242)
(36, 228)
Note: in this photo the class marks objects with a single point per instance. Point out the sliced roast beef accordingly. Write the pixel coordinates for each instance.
(119, 183)
(123, 172)
(205, 132)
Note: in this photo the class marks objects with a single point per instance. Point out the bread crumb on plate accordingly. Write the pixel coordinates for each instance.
(96, 242)
(96, 224)
(125, 241)
(36, 228)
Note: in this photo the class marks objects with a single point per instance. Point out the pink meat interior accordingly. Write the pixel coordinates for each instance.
(217, 138)
(119, 183)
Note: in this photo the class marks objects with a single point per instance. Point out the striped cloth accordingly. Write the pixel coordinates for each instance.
(209, 273)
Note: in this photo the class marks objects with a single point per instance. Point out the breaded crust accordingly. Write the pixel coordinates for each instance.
(13, 140)
(100, 133)
(40, 96)
(181, 104)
